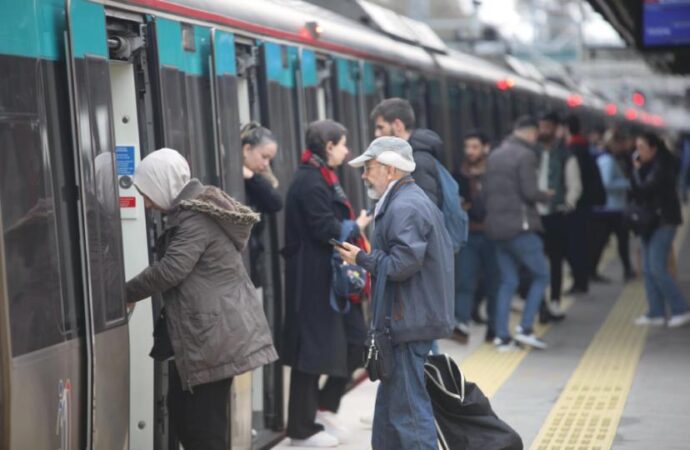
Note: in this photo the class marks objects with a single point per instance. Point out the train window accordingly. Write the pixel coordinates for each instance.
(467, 120)
(374, 90)
(416, 94)
(30, 237)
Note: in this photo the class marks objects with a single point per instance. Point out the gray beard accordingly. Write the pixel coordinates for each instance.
(372, 194)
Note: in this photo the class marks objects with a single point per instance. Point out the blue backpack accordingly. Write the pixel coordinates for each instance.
(455, 218)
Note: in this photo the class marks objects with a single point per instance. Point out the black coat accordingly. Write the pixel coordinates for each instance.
(593, 191)
(315, 337)
(427, 146)
(653, 186)
(265, 199)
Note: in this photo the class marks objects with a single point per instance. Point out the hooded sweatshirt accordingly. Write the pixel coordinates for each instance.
(427, 146)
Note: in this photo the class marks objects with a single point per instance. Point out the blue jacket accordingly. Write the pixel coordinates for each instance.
(615, 182)
(410, 233)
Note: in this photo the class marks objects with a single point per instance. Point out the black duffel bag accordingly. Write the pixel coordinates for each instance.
(464, 418)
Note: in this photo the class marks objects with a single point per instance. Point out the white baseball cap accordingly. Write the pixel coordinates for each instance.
(390, 151)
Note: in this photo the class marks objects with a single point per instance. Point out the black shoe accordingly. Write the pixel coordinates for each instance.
(461, 333)
(477, 318)
(576, 290)
(490, 336)
(597, 278)
(629, 276)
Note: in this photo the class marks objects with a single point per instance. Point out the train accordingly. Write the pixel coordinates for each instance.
(89, 87)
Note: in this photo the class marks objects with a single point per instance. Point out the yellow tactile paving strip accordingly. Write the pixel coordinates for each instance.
(588, 411)
(490, 369)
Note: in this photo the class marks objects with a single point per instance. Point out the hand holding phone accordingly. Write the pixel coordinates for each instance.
(336, 243)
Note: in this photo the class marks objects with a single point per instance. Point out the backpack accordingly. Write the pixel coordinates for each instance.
(454, 217)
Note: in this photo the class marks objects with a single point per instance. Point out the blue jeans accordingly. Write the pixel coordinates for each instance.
(524, 250)
(658, 282)
(403, 418)
(477, 259)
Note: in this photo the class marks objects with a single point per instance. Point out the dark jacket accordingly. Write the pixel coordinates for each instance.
(216, 323)
(315, 336)
(653, 186)
(470, 180)
(427, 147)
(511, 192)
(409, 231)
(264, 199)
(593, 192)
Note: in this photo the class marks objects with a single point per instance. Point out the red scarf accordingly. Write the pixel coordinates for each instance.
(577, 139)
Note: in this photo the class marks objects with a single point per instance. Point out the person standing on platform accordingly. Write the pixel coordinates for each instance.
(654, 193)
(413, 250)
(512, 221)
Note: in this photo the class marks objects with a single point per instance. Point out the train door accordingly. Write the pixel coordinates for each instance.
(106, 378)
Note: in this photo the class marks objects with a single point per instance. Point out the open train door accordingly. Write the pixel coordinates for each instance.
(106, 335)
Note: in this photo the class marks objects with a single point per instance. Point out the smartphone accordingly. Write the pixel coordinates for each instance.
(336, 243)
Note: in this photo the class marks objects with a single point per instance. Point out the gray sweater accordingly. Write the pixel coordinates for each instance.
(511, 192)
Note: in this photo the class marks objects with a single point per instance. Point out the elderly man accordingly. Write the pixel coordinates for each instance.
(410, 234)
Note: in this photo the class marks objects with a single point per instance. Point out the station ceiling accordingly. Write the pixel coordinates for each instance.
(628, 18)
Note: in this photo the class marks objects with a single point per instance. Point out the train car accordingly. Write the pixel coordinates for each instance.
(89, 88)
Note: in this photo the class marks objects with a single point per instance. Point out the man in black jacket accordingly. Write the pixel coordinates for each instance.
(395, 117)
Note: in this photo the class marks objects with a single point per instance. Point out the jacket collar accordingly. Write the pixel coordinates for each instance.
(191, 190)
(404, 181)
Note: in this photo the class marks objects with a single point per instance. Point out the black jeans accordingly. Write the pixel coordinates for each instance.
(555, 246)
(607, 223)
(578, 247)
(306, 398)
(199, 418)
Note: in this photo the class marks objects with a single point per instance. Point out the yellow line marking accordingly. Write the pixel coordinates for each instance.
(490, 368)
(588, 411)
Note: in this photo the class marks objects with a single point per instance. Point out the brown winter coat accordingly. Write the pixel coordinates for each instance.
(215, 320)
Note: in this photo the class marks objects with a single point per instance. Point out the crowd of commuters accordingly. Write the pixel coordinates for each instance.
(543, 197)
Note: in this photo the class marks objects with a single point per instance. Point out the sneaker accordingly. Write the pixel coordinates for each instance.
(577, 290)
(504, 345)
(679, 320)
(529, 338)
(332, 425)
(321, 439)
(461, 333)
(490, 335)
(651, 321)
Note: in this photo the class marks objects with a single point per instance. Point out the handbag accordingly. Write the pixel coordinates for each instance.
(379, 361)
(463, 415)
(348, 280)
(162, 349)
(642, 220)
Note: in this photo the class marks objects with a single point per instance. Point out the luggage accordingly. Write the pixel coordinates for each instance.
(464, 418)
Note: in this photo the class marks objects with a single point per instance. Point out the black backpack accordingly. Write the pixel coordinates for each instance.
(464, 418)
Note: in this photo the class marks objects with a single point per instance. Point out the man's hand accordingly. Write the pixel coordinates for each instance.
(349, 253)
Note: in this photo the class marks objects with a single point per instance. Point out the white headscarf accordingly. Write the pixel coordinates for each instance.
(161, 176)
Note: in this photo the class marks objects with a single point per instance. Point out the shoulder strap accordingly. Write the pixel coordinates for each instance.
(382, 302)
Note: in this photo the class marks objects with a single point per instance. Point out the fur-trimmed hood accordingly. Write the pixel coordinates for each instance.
(235, 219)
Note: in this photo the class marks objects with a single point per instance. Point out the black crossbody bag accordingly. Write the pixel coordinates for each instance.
(378, 349)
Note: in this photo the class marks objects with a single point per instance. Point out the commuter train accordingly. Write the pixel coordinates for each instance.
(90, 87)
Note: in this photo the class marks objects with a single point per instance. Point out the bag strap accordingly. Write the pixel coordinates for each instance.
(380, 299)
(345, 231)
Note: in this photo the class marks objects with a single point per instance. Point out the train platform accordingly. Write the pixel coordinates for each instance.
(603, 382)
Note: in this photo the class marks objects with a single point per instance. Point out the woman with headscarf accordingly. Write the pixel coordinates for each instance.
(259, 147)
(655, 217)
(212, 326)
(318, 340)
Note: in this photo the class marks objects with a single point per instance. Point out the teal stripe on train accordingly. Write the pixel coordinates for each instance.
(224, 48)
(368, 78)
(309, 71)
(171, 50)
(88, 29)
(33, 29)
(346, 70)
(280, 63)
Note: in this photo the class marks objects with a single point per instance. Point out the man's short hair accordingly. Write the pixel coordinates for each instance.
(524, 122)
(394, 108)
(551, 116)
(573, 123)
(477, 134)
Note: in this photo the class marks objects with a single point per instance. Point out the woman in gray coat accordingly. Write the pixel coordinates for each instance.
(212, 326)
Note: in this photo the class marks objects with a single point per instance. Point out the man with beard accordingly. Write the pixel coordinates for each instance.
(559, 172)
(477, 259)
(395, 117)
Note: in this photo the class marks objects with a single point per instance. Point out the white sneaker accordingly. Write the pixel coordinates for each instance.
(529, 339)
(320, 440)
(679, 320)
(332, 425)
(506, 345)
(651, 321)
(555, 309)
